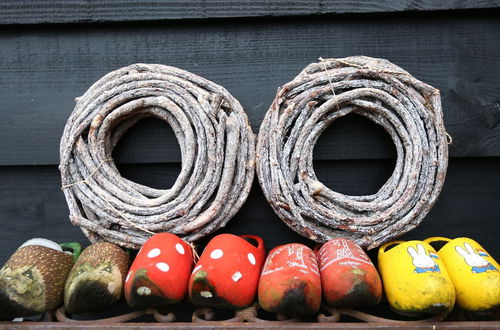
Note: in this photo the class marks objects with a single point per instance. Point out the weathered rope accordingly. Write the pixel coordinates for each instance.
(217, 148)
(408, 109)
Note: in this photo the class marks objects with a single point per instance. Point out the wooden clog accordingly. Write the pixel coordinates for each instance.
(290, 282)
(475, 274)
(227, 274)
(415, 279)
(96, 280)
(160, 273)
(32, 280)
(348, 277)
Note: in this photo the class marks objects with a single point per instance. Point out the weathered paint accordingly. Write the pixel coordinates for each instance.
(32, 281)
(474, 272)
(227, 274)
(96, 280)
(415, 279)
(290, 281)
(163, 266)
(348, 277)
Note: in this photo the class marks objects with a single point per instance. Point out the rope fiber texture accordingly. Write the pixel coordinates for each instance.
(408, 109)
(217, 150)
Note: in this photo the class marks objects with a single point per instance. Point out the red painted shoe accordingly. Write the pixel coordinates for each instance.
(348, 277)
(160, 273)
(227, 274)
(290, 282)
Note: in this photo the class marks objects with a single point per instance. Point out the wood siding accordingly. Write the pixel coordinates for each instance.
(52, 51)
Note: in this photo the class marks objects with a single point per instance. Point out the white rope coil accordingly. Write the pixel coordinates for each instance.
(217, 149)
(408, 109)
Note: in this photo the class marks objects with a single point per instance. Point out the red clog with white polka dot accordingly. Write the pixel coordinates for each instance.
(290, 282)
(159, 274)
(227, 274)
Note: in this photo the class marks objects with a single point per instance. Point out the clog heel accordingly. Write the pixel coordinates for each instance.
(475, 274)
(348, 277)
(227, 274)
(290, 281)
(160, 273)
(415, 279)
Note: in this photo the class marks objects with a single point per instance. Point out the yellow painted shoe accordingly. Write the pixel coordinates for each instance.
(415, 279)
(475, 274)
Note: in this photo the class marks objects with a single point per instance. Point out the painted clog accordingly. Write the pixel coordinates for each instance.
(290, 282)
(348, 277)
(227, 274)
(96, 280)
(475, 274)
(415, 279)
(160, 273)
(32, 280)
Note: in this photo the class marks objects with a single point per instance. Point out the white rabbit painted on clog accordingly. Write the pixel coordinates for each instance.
(473, 259)
(423, 263)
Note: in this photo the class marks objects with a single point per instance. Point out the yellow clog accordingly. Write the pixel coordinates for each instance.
(415, 279)
(475, 274)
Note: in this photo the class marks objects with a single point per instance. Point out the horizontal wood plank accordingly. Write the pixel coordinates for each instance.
(45, 68)
(229, 325)
(67, 11)
(32, 205)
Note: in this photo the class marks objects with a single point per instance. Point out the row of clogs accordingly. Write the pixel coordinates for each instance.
(420, 279)
(233, 270)
(41, 274)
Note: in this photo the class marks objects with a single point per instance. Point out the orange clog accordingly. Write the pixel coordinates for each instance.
(348, 277)
(227, 274)
(290, 281)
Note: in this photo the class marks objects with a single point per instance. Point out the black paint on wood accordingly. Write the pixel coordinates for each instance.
(153, 141)
(67, 11)
(45, 68)
(32, 205)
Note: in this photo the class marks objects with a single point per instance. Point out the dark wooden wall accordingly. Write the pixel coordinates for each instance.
(52, 51)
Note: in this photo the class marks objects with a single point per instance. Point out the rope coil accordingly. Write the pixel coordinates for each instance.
(408, 109)
(217, 150)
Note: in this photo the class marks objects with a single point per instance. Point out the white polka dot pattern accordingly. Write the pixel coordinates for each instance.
(162, 266)
(180, 248)
(237, 276)
(154, 253)
(251, 258)
(216, 254)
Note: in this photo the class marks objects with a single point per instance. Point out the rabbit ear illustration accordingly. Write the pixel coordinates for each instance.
(412, 252)
(461, 251)
(469, 248)
(421, 249)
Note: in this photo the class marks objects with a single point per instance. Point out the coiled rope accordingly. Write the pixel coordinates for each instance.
(408, 109)
(217, 149)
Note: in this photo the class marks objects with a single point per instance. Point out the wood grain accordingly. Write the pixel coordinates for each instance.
(66, 11)
(45, 68)
(32, 205)
(366, 141)
(226, 325)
